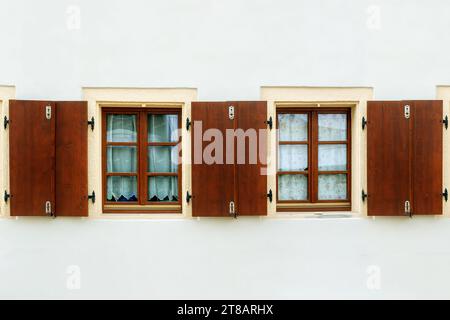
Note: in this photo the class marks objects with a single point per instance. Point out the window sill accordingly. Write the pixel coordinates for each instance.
(142, 209)
(314, 207)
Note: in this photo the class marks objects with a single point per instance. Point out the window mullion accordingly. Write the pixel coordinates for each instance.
(142, 156)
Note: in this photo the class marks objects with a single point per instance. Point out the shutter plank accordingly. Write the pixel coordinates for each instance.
(427, 157)
(31, 157)
(71, 159)
(212, 184)
(388, 158)
(251, 186)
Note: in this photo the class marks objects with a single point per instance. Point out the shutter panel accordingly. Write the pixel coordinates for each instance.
(31, 157)
(427, 157)
(71, 159)
(251, 176)
(212, 184)
(388, 158)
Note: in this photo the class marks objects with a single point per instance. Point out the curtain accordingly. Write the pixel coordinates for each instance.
(121, 128)
(121, 188)
(163, 188)
(162, 128)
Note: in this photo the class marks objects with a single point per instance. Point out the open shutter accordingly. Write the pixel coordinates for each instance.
(251, 186)
(71, 159)
(32, 157)
(427, 157)
(212, 181)
(388, 158)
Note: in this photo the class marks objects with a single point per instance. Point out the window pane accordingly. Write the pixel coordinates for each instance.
(121, 189)
(162, 128)
(332, 157)
(332, 186)
(292, 187)
(332, 127)
(292, 157)
(121, 159)
(121, 128)
(162, 159)
(162, 188)
(293, 127)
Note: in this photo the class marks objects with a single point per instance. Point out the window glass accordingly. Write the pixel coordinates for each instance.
(293, 157)
(293, 127)
(292, 187)
(332, 127)
(162, 159)
(121, 188)
(163, 188)
(121, 159)
(121, 128)
(332, 157)
(332, 186)
(162, 128)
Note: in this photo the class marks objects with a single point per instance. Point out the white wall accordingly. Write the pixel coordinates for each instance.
(227, 49)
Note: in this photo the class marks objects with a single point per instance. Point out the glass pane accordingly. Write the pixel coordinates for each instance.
(162, 159)
(292, 187)
(332, 127)
(162, 128)
(121, 189)
(121, 128)
(332, 186)
(293, 127)
(121, 159)
(292, 157)
(332, 157)
(162, 188)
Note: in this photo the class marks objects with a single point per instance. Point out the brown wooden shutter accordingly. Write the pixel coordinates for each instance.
(252, 177)
(71, 159)
(212, 184)
(31, 157)
(427, 157)
(388, 158)
(404, 157)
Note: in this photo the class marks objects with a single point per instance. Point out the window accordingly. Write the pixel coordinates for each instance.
(313, 159)
(141, 160)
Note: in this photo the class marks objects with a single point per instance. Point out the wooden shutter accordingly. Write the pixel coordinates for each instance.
(31, 157)
(71, 159)
(427, 157)
(212, 184)
(251, 184)
(388, 158)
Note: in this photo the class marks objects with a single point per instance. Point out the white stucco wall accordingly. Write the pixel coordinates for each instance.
(226, 49)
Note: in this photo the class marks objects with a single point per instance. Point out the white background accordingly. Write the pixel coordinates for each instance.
(226, 48)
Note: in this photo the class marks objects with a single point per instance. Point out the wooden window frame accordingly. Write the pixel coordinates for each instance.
(143, 205)
(312, 203)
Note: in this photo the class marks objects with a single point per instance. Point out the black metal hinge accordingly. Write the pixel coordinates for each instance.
(364, 195)
(6, 196)
(188, 124)
(445, 122)
(270, 195)
(91, 123)
(5, 122)
(363, 123)
(445, 194)
(269, 123)
(188, 197)
(92, 197)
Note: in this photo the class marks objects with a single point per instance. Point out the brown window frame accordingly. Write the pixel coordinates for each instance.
(143, 205)
(313, 203)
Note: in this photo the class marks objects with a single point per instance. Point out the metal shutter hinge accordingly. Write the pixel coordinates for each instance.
(48, 208)
(5, 122)
(363, 123)
(91, 197)
(6, 196)
(445, 122)
(231, 112)
(364, 195)
(188, 197)
(270, 195)
(445, 194)
(408, 208)
(48, 112)
(188, 124)
(269, 123)
(232, 209)
(91, 123)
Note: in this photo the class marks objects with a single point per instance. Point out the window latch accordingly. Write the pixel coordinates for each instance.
(445, 122)
(269, 195)
(91, 123)
(91, 197)
(6, 196)
(269, 123)
(5, 122)
(445, 194)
